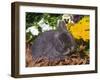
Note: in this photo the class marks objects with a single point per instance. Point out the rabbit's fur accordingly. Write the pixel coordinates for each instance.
(54, 44)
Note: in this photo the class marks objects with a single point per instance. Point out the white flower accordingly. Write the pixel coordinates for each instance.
(68, 17)
(33, 30)
(44, 26)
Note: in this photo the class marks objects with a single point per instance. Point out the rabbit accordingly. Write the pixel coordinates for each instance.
(54, 44)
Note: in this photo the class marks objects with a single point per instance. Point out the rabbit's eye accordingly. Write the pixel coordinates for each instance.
(64, 38)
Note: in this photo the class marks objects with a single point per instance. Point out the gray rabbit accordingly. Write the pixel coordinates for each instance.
(54, 44)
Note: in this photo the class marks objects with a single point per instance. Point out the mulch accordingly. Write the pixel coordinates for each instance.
(76, 58)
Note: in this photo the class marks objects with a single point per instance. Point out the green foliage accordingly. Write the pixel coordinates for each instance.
(51, 19)
(32, 19)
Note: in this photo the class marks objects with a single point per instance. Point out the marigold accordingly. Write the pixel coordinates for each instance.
(80, 30)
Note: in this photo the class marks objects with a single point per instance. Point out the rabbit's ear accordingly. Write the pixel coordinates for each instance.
(61, 25)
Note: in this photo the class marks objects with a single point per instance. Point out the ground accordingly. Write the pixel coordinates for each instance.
(76, 58)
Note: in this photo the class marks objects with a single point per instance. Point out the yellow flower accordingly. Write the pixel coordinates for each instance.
(80, 30)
